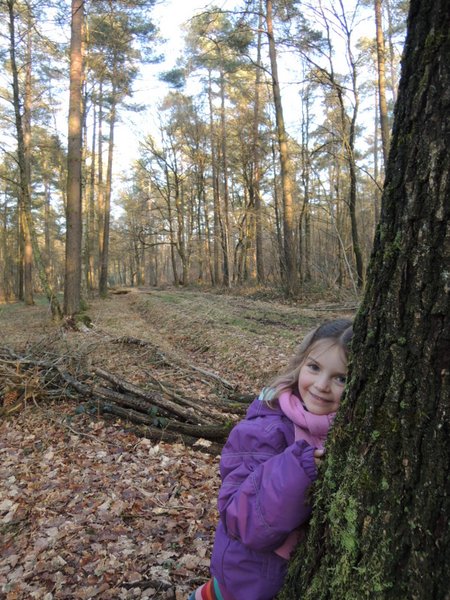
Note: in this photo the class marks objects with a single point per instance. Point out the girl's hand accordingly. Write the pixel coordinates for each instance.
(318, 456)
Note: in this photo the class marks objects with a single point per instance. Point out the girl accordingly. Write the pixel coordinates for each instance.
(268, 465)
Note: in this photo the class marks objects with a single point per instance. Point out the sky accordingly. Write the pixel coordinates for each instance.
(169, 15)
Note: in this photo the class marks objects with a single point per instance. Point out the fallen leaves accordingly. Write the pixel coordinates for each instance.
(107, 515)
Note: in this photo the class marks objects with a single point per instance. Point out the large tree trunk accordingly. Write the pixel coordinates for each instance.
(72, 280)
(380, 529)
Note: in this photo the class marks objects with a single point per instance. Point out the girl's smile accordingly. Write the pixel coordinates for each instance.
(321, 380)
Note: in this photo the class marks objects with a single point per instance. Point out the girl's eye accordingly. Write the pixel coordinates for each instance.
(313, 366)
(342, 379)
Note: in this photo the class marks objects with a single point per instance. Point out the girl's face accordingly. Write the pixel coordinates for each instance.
(321, 380)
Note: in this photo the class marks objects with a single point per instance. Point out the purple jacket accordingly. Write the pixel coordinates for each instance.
(265, 479)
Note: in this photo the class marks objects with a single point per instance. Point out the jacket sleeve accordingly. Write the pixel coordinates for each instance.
(263, 496)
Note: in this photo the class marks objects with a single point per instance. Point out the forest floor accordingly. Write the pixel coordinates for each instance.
(88, 507)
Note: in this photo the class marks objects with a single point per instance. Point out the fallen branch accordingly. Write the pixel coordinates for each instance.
(155, 433)
(212, 432)
(162, 418)
(131, 340)
(156, 399)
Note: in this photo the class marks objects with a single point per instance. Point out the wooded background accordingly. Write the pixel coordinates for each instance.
(232, 189)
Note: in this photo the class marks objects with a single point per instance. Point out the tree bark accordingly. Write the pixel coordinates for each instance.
(290, 275)
(380, 528)
(384, 123)
(28, 248)
(73, 266)
(225, 221)
(104, 256)
(256, 175)
(215, 184)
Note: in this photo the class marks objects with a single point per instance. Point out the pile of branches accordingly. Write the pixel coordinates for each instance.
(157, 412)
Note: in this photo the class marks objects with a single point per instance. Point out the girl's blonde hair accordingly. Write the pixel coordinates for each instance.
(338, 331)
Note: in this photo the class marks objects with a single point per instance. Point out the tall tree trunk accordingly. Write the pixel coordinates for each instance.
(73, 266)
(47, 236)
(90, 213)
(276, 205)
(104, 256)
(172, 240)
(28, 250)
(6, 286)
(256, 175)
(204, 203)
(392, 66)
(376, 168)
(290, 275)
(215, 182)
(381, 71)
(20, 249)
(100, 181)
(305, 216)
(349, 133)
(380, 528)
(225, 225)
(24, 183)
(180, 208)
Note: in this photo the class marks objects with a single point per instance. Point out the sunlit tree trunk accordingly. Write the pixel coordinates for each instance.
(104, 256)
(28, 250)
(384, 123)
(305, 217)
(225, 221)
(290, 275)
(277, 211)
(100, 182)
(215, 184)
(90, 236)
(393, 71)
(73, 265)
(380, 525)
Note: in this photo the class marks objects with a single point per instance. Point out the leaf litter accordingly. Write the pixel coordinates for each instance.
(104, 514)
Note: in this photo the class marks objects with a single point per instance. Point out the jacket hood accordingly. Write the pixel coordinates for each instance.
(260, 408)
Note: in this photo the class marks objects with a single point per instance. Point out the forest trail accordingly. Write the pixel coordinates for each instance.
(89, 509)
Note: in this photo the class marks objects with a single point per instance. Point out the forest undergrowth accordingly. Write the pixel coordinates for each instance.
(92, 507)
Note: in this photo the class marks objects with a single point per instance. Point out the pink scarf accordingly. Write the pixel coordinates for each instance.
(308, 426)
(311, 428)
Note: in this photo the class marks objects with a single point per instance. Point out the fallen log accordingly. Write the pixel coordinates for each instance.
(208, 432)
(157, 399)
(159, 434)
